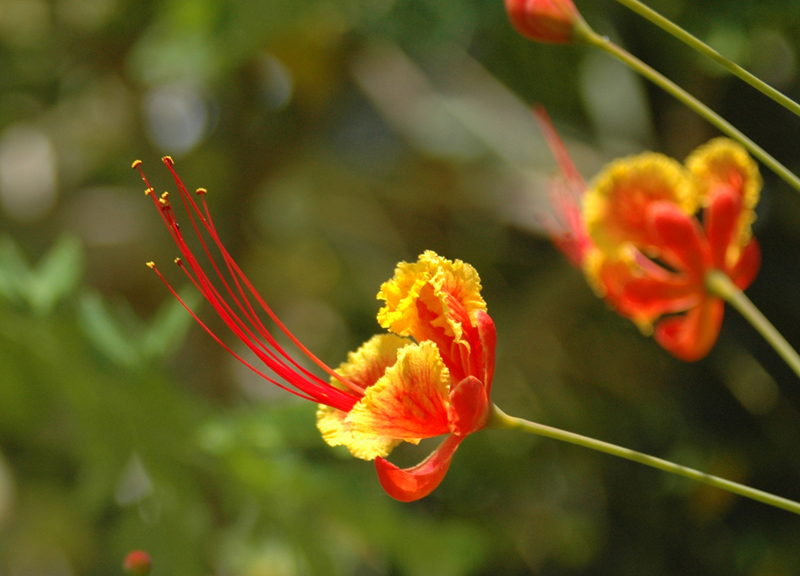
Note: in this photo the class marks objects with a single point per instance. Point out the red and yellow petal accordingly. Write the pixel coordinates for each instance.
(616, 203)
(746, 269)
(652, 297)
(335, 431)
(368, 364)
(449, 291)
(420, 480)
(468, 410)
(409, 402)
(723, 164)
(363, 367)
(721, 220)
(680, 239)
(691, 336)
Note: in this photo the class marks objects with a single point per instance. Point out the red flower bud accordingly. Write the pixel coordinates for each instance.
(550, 21)
(137, 563)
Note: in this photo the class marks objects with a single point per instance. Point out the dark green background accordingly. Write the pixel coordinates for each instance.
(337, 138)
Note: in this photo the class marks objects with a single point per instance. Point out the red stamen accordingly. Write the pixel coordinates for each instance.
(248, 327)
(237, 274)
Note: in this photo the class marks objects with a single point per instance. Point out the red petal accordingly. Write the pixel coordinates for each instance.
(747, 267)
(680, 237)
(488, 336)
(652, 297)
(419, 481)
(691, 336)
(469, 406)
(720, 220)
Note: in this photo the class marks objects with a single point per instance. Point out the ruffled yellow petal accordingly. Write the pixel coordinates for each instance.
(367, 365)
(363, 367)
(336, 432)
(410, 401)
(615, 206)
(723, 162)
(449, 290)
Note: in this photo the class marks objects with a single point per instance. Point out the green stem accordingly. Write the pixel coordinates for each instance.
(720, 285)
(583, 32)
(707, 50)
(503, 421)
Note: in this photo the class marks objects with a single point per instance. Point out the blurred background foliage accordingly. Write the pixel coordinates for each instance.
(336, 138)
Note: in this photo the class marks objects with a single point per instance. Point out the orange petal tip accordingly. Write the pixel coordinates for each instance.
(417, 482)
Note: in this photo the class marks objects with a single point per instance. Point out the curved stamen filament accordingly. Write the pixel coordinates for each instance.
(248, 327)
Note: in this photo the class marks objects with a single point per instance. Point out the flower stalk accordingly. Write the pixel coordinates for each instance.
(720, 285)
(501, 420)
(584, 33)
(669, 26)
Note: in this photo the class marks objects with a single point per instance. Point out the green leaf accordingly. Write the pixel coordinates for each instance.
(103, 330)
(57, 275)
(14, 272)
(170, 325)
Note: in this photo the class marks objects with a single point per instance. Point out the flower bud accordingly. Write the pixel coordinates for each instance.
(551, 21)
(137, 563)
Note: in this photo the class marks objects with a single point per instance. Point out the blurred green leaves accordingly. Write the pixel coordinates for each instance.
(40, 288)
(126, 340)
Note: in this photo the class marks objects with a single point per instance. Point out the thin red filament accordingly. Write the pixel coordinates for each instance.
(240, 316)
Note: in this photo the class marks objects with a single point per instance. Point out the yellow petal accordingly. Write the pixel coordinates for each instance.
(615, 206)
(410, 401)
(367, 364)
(450, 290)
(363, 367)
(336, 432)
(723, 162)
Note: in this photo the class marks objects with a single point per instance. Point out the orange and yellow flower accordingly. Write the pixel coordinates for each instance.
(438, 383)
(430, 376)
(635, 233)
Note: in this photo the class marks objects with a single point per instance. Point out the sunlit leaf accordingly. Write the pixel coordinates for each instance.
(169, 326)
(103, 330)
(57, 275)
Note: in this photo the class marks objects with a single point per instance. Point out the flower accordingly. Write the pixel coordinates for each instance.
(635, 234)
(551, 21)
(439, 383)
(392, 389)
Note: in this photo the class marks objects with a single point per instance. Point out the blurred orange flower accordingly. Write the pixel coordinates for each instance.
(635, 234)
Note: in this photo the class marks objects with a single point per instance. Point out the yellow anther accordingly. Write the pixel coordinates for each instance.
(136, 163)
(178, 261)
(163, 202)
(165, 195)
(168, 160)
(202, 191)
(151, 265)
(148, 191)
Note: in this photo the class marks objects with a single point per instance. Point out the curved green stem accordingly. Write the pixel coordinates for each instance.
(503, 421)
(583, 32)
(708, 51)
(720, 285)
